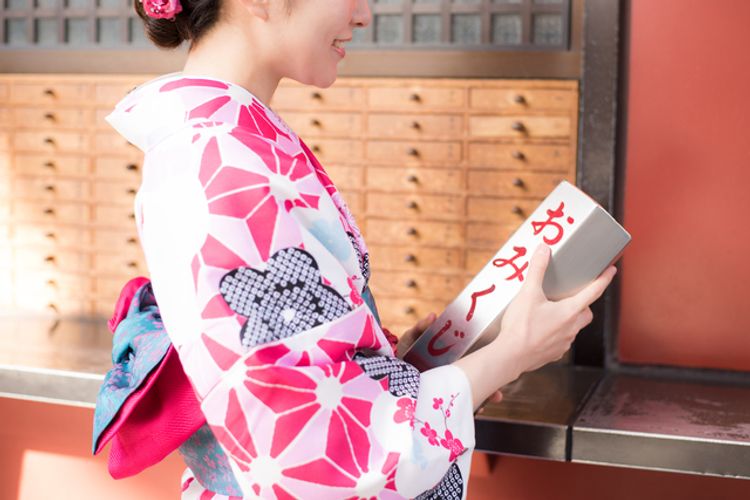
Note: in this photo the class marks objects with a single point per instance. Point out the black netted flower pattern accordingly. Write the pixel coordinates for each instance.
(403, 378)
(451, 487)
(287, 298)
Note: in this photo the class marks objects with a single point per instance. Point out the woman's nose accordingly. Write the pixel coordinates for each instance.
(362, 15)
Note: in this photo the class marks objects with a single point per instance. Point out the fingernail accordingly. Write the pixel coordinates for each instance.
(542, 249)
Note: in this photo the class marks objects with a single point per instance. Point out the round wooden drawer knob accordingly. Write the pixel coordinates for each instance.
(519, 99)
(53, 308)
(518, 155)
(130, 191)
(50, 165)
(132, 167)
(316, 123)
(517, 210)
(50, 259)
(415, 97)
(49, 140)
(413, 152)
(50, 235)
(518, 182)
(317, 96)
(132, 264)
(131, 215)
(52, 283)
(410, 310)
(413, 205)
(49, 92)
(411, 284)
(413, 179)
(412, 231)
(132, 240)
(49, 188)
(49, 211)
(518, 126)
(410, 258)
(50, 117)
(315, 148)
(416, 126)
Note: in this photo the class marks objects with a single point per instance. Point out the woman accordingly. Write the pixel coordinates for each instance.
(260, 273)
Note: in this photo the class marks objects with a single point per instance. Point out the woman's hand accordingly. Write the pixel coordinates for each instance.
(534, 331)
(539, 330)
(412, 334)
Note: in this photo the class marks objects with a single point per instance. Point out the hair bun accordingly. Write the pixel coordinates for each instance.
(196, 18)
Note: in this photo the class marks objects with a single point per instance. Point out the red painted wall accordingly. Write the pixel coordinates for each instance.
(686, 276)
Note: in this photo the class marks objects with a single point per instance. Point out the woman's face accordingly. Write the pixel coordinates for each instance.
(310, 36)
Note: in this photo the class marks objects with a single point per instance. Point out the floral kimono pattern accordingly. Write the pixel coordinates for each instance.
(260, 273)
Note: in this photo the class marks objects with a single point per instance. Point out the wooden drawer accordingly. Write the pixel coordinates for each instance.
(510, 184)
(4, 92)
(4, 140)
(415, 206)
(424, 286)
(552, 158)
(412, 179)
(118, 168)
(122, 193)
(119, 216)
(112, 93)
(416, 98)
(291, 97)
(488, 235)
(67, 261)
(336, 150)
(41, 165)
(321, 124)
(113, 143)
(53, 285)
(49, 188)
(52, 118)
(120, 264)
(406, 311)
(346, 177)
(51, 141)
(520, 100)
(391, 232)
(506, 211)
(109, 240)
(415, 258)
(50, 235)
(414, 126)
(57, 212)
(6, 116)
(443, 152)
(520, 127)
(49, 93)
(53, 306)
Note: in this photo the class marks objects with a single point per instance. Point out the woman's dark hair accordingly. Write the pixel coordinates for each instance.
(196, 18)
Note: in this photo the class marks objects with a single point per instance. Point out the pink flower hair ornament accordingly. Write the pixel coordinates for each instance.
(161, 9)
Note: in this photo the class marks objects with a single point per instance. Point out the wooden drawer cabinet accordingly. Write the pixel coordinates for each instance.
(521, 185)
(438, 172)
(520, 127)
(290, 96)
(521, 100)
(400, 152)
(422, 286)
(113, 215)
(115, 192)
(33, 164)
(551, 157)
(391, 232)
(50, 141)
(129, 169)
(50, 236)
(415, 179)
(49, 93)
(348, 125)
(49, 188)
(416, 98)
(50, 212)
(414, 126)
(125, 264)
(415, 206)
(52, 117)
(409, 258)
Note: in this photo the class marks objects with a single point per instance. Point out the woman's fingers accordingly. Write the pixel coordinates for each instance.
(538, 266)
(592, 291)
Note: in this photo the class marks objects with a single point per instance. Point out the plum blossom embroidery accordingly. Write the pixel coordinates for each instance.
(405, 413)
(430, 433)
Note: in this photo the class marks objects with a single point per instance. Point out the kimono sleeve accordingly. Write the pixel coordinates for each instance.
(258, 287)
